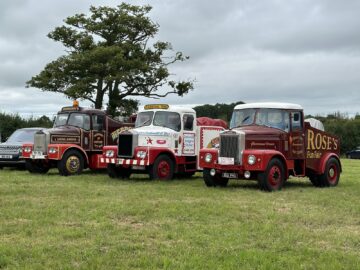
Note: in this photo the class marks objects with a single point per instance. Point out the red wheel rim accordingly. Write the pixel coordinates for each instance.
(274, 176)
(163, 169)
(332, 174)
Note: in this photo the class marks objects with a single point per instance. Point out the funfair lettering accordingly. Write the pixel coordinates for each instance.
(318, 141)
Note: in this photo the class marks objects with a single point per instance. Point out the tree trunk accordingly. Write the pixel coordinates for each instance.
(99, 95)
(113, 99)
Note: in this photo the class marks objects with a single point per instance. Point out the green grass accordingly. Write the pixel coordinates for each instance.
(94, 222)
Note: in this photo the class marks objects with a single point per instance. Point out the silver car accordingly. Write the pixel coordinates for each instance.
(10, 151)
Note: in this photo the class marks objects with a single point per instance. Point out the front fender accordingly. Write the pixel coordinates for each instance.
(214, 153)
(25, 146)
(63, 148)
(324, 160)
(263, 158)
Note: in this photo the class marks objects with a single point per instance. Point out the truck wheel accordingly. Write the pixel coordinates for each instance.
(71, 163)
(36, 167)
(118, 172)
(162, 169)
(330, 178)
(274, 177)
(213, 181)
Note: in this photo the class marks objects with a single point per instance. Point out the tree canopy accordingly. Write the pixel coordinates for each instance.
(111, 52)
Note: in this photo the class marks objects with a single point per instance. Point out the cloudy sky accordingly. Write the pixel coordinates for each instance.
(299, 51)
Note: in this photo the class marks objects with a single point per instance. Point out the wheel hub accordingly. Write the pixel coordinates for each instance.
(73, 164)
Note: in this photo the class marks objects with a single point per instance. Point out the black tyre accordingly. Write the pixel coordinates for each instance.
(213, 181)
(274, 177)
(331, 176)
(36, 167)
(162, 169)
(71, 163)
(118, 172)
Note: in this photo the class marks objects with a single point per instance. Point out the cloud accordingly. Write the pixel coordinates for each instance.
(305, 52)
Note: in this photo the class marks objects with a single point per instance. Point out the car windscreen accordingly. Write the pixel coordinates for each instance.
(243, 117)
(144, 119)
(274, 118)
(22, 136)
(167, 119)
(79, 120)
(61, 119)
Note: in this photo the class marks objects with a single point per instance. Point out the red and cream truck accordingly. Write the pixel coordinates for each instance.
(74, 143)
(269, 142)
(165, 141)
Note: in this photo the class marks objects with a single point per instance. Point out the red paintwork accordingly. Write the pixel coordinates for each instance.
(87, 142)
(308, 149)
(274, 176)
(163, 169)
(24, 154)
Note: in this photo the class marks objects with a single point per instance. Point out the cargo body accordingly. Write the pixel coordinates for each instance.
(165, 142)
(74, 143)
(269, 142)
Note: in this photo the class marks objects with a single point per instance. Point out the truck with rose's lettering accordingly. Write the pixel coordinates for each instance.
(165, 142)
(269, 142)
(74, 143)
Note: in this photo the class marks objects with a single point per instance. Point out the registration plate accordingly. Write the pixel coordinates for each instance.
(6, 156)
(37, 154)
(226, 161)
(229, 175)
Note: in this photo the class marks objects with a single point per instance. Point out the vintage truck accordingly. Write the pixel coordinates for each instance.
(165, 141)
(269, 142)
(74, 143)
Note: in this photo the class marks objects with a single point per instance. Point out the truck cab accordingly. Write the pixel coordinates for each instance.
(269, 142)
(75, 142)
(165, 141)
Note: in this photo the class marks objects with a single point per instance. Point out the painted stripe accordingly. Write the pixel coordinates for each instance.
(142, 162)
(127, 161)
(102, 160)
(113, 160)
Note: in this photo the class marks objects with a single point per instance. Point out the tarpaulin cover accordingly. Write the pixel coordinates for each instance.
(206, 121)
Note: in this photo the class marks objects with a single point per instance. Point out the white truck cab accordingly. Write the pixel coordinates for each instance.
(166, 140)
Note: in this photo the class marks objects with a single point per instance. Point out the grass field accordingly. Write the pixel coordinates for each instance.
(94, 222)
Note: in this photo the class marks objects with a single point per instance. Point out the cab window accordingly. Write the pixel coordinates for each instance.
(296, 121)
(98, 122)
(188, 120)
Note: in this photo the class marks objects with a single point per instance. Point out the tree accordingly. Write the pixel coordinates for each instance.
(111, 52)
(219, 110)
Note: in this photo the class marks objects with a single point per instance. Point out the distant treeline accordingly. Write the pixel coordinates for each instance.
(348, 129)
(11, 122)
(217, 111)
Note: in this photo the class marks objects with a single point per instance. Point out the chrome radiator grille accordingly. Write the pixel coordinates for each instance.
(9, 149)
(40, 142)
(232, 145)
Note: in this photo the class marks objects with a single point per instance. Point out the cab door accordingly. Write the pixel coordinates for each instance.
(98, 132)
(189, 135)
(296, 136)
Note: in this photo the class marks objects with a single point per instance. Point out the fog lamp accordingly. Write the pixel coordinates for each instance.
(109, 153)
(251, 159)
(141, 154)
(208, 158)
